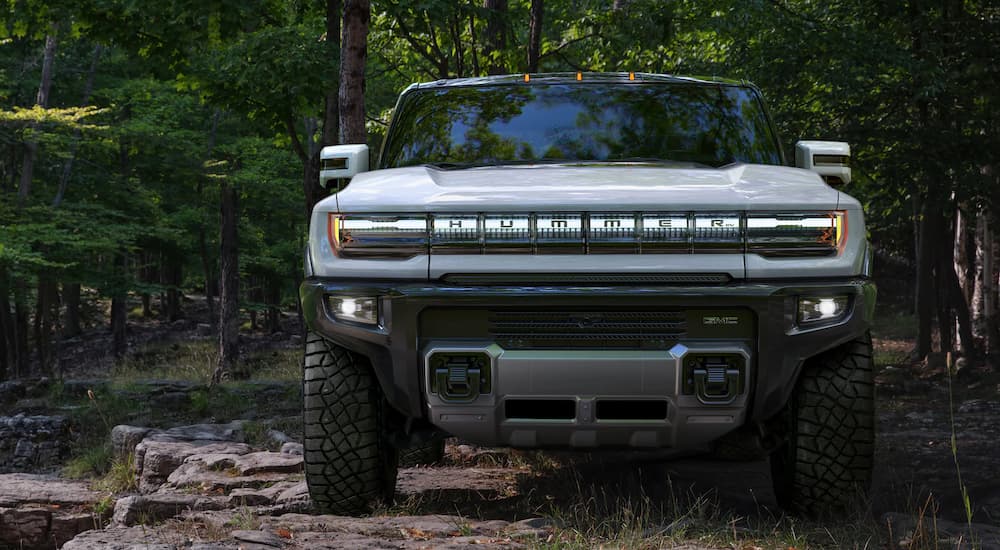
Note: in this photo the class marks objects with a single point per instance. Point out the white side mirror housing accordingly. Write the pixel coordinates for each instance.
(342, 162)
(830, 159)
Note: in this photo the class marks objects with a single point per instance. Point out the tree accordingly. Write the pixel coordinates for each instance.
(353, 54)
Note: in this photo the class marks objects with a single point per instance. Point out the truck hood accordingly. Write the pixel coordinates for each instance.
(592, 187)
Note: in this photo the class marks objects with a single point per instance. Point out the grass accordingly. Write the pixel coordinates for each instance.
(598, 519)
(89, 462)
(195, 360)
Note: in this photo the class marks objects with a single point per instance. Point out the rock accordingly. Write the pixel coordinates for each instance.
(203, 329)
(268, 462)
(33, 443)
(157, 507)
(258, 537)
(532, 527)
(197, 475)
(124, 438)
(30, 405)
(28, 526)
(17, 489)
(156, 460)
(446, 483)
(296, 493)
(292, 448)
(36, 510)
(295, 339)
(263, 496)
(232, 431)
(63, 527)
(123, 538)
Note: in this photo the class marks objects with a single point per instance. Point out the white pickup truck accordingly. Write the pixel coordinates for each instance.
(588, 261)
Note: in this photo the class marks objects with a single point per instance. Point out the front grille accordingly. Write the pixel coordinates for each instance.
(587, 329)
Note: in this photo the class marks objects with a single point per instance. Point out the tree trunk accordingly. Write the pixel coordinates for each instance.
(331, 108)
(20, 329)
(119, 307)
(535, 34)
(353, 56)
(987, 284)
(925, 305)
(174, 272)
(942, 265)
(496, 35)
(274, 305)
(46, 300)
(207, 264)
(42, 99)
(6, 328)
(71, 299)
(229, 318)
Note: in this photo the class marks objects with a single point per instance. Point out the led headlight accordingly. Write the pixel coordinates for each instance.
(814, 309)
(362, 309)
(804, 234)
(378, 236)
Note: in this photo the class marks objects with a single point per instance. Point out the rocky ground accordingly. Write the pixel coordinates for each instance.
(222, 484)
(203, 486)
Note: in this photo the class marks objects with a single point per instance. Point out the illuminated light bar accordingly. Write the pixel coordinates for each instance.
(613, 233)
(378, 236)
(665, 233)
(766, 234)
(455, 233)
(717, 233)
(806, 234)
(559, 234)
(507, 233)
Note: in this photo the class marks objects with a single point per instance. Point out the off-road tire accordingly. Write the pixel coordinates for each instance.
(350, 466)
(826, 462)
(425, 454)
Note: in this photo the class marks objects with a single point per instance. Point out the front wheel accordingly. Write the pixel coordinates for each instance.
(826, 462)
(350, 466)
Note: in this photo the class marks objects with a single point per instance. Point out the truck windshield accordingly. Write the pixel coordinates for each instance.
(463, 126)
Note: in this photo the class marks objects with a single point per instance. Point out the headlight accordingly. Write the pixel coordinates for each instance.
(378, 236)
(807, 234)
(362, 309)
(814, 309)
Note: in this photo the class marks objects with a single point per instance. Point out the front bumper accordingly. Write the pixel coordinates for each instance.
(775, 350)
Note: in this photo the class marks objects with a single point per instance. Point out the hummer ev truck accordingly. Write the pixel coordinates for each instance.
(587, 261)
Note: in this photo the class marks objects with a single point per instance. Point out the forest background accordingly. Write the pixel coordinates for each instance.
(152, 150)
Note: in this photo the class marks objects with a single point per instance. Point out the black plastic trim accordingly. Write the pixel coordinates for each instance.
(781, 349)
